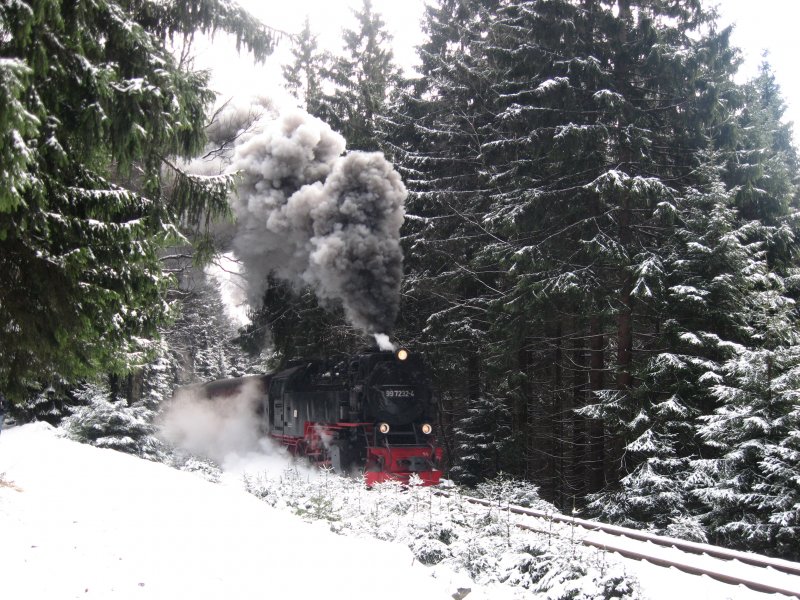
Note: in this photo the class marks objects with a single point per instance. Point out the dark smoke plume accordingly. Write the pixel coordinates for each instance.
(356, 255)
(317, 219)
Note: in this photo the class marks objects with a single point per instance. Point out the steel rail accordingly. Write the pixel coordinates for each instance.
(784, 566)
(764, 562)
(756, 585)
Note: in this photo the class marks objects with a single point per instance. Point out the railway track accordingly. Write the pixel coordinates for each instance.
(756, 572)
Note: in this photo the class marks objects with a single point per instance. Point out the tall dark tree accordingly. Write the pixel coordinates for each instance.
(304, 75)
(443, 309)
(350, 92)
(94, 105)
(750, 494)
(362, 77)
(546, 148)
(481, 438)
(703, 290)
(292, 324)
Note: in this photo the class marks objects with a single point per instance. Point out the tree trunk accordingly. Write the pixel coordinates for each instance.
(579, 443)
(557, 409)
(596, 428)
(625, 300)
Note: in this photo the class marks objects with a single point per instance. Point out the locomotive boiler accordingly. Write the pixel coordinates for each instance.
(371, 413)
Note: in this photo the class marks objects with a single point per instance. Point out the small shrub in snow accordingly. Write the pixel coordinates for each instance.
(505, 490)
(429, 551)
(115, 425)
(204, 468)
(446, 532)
(687, 528)
(319, 506)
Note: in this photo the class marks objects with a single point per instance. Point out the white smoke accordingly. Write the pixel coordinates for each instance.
(312, 216)
(384, 343)
(226, 429)
(219, 429)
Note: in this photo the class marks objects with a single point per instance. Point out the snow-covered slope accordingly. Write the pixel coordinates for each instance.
(82, 522)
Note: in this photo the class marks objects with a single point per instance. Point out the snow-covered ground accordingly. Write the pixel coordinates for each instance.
(82, 522)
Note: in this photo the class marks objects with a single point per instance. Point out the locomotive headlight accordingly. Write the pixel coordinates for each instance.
(402, 354)
(383, 427)
(426, 428)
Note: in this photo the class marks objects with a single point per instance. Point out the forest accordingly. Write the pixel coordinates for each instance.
(600, 254)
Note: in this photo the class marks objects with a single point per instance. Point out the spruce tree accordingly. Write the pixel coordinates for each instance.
(443, 310)
(303, 77)
(203, 344)
(350, 92)
(94, 108)
(748, 490)
(704, 288)
(545, 148)
(481, 438)
(363, 77)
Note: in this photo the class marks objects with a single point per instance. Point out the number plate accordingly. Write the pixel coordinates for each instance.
(398, 393)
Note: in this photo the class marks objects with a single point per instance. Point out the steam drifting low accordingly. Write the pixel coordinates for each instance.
(312, 216)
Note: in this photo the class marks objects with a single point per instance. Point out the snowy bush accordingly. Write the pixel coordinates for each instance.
(447, 532)
(115, 425)
(429, 551)
(48, 403)
(201, 467)
(554, 573)
(687, 528)
(503, 489)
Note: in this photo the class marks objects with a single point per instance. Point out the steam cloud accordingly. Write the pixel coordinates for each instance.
(220, 429)
(225, 430)
(383, 341)
(315, 218)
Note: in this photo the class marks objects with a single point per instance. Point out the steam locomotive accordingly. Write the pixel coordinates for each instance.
(371, 413)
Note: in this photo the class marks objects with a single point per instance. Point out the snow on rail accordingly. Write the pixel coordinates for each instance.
(754, 571)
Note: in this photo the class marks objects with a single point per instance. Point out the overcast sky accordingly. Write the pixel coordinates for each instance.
(760, 25)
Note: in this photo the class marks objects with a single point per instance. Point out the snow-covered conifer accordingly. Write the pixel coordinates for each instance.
(94, 106)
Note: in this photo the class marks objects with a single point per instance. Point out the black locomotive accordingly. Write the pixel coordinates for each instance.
(372, 413)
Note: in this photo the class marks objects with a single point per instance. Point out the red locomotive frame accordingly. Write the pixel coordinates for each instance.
(382, 463)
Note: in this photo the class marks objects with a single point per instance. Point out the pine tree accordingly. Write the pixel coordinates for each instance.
(748, 493)
(356, 85)
(705, 286)
(751, 493)
(292, 325)
(105, 421)
(363, 77)
(46, 401)
(303, 77)
(481, 438)
(762, 169)
(443, 310)
(545, 148)
(202, 342)
(94, 106)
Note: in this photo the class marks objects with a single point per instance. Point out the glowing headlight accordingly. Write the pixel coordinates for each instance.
(383, 427)
(426, 428)
(402, 354)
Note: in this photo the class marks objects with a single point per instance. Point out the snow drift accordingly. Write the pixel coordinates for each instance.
(83, 522)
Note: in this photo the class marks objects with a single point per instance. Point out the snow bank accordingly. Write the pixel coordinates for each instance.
(82, 522)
